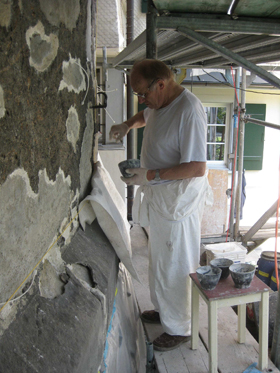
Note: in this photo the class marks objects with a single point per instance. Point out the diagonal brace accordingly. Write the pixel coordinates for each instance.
(229, 55)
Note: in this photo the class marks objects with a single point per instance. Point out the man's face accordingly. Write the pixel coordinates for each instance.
(148, 92)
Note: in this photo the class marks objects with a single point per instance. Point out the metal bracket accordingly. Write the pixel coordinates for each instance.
(100, 106)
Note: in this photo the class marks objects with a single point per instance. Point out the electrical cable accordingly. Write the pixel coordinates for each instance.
(13, 300)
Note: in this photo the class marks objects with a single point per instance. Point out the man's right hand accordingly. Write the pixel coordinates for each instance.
(118, 131)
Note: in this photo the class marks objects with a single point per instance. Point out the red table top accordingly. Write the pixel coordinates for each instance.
(226, 289)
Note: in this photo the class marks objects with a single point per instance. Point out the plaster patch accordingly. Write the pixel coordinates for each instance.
(65, 11)
(50, 284)
(86, 152)
(2, 103)
(43, 48)
(54, 257)
(73, 127)
(5, 13)
(73, 76)
(29, 224)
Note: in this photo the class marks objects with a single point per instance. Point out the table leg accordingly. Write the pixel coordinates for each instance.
(241, 322)
(195, 316)
(263, 330)
(213, 336)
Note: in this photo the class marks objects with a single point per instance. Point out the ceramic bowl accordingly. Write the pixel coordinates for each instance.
(242, 274)
(129, 163)
(208, 276)
(223, 264)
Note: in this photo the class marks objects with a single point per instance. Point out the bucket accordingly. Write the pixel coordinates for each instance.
(273, 281)
(266, 266)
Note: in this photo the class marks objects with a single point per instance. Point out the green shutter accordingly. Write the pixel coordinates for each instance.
(254, 138)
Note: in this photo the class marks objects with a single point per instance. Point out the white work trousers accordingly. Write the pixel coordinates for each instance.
(173, 213)
(174, 251)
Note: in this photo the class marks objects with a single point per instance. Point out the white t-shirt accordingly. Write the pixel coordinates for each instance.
(174, 134)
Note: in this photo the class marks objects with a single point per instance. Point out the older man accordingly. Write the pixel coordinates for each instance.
(173, 181)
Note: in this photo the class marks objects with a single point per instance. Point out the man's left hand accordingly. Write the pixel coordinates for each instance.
(139, 176)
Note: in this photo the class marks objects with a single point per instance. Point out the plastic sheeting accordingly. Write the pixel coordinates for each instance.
(106, 204)
(125, 349)
(252, 369)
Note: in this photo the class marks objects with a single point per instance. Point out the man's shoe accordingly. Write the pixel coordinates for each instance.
(151, 317)
(166, 342)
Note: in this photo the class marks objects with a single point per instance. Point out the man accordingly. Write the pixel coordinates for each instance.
(173, 181)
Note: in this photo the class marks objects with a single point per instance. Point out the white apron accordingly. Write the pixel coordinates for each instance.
(173, 211)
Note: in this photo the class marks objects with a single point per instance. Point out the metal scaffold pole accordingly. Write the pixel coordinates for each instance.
(235, 137)
(240, 153)
(151, 34)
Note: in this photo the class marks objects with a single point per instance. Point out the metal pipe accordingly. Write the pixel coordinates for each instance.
(214, 23)
(150, 357)
(151, 40)
(229, 55)
(102, 114)
(232, 7)
(130, 107)
(261, 122)
(235, 134)
(241, 153)
(93, 61)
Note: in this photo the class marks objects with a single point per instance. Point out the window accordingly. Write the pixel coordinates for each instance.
(216, 132)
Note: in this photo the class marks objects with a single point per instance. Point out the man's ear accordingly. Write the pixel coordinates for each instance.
(161, 84)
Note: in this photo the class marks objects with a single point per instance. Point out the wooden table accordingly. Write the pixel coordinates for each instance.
(226, 294)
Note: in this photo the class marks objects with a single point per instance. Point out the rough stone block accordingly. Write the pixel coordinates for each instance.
(67, 333)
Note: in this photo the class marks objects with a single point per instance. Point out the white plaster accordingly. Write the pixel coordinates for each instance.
(29, 224)
(54, 257)
(73, 127)
(73, 76)
(5, 13)
(2, 103)
(50, 284)
(57, 11)
(43, 48)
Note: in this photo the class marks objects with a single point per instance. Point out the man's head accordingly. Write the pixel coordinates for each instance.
(149, 80)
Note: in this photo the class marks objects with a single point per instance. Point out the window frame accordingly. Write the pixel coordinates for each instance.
(222, 163)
